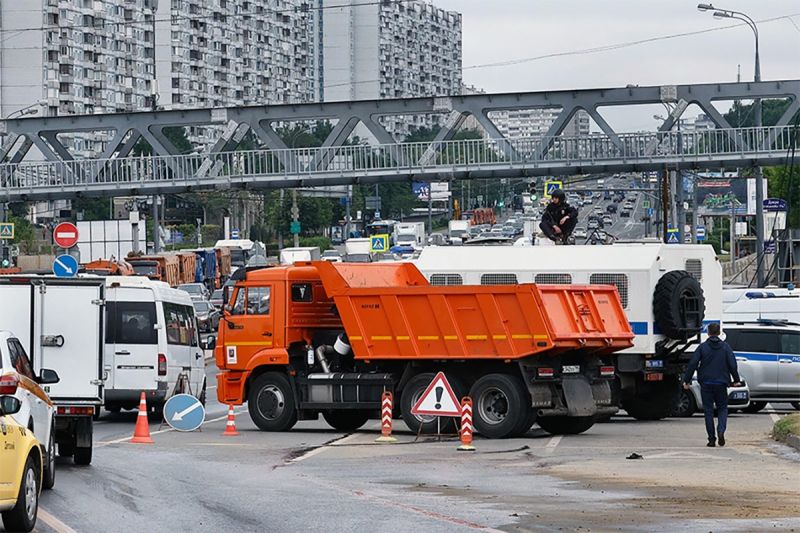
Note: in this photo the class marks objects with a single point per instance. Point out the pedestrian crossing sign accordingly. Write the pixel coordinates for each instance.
(551, 186)
(379, 243)
(673, 237)
(6, 230)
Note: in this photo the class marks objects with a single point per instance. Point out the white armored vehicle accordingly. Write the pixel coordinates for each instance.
(670, 294)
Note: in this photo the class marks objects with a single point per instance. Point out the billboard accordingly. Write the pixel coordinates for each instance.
(440, 190)
(720, 194)
(102, 239)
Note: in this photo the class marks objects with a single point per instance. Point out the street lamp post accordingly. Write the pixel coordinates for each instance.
(738, 15)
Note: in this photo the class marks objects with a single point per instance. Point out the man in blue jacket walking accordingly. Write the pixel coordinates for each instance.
(715, 365)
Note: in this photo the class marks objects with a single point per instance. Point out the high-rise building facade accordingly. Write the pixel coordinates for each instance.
(518, 124)
(389, 50)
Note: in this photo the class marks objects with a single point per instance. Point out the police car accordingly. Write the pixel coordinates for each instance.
(768, 356)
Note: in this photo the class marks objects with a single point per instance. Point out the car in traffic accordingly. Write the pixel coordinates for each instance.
(607, 220)
(625, 213)
(691, 401)
(196, 290)
(768, 356)
(580, 233)
(21, 469)
(36, 412)
(217, 298)
(207, 315)
(593, 223)
(611, 208)
(332, 255)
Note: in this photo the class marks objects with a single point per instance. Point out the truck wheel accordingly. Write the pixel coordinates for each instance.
(500, 405)
(271, 402)
(655, 402)
(346, 419)
(66, 449)
(670, 304)
(754, 407)
(83, 456)
(22, 517)
(49, 457)
(411, 394)
(686, 405)
(565, 425)
(526, 425)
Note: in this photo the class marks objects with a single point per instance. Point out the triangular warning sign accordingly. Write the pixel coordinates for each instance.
(7, 231)
(438, 399)
(673, 238)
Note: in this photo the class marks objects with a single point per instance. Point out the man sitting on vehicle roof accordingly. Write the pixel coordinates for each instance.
(559, 219)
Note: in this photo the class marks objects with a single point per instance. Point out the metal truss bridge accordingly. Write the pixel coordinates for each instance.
(338, 162)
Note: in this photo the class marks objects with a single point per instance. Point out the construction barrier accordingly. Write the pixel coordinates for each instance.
(230, 426)
(141, 433)
(386, 418)
(466, 425)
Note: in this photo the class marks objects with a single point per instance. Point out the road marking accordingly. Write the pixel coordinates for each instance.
(159, 432)
(317, 451)
(54, 522)
(772, 415)
(684, 455)
(551, 446)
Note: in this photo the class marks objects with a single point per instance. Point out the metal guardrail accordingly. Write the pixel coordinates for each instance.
(308, 167)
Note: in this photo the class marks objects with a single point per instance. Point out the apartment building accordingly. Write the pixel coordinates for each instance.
(389, 50)
(531, 123)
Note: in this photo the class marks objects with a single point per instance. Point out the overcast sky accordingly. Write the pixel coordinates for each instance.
(499, 30)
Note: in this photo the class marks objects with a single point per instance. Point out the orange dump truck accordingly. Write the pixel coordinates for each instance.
(158, 267)
(109, 267)
(188, 264)
(328, 338)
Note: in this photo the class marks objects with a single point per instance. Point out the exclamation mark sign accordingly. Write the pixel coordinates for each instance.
(439, 391)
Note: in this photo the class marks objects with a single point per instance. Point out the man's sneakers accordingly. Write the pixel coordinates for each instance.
(721, 439)
(712, 443)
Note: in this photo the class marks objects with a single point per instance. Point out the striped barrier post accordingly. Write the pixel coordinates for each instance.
(466, 425)
(386, 418)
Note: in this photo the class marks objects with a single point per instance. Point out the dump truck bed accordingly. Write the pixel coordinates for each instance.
(390, 311)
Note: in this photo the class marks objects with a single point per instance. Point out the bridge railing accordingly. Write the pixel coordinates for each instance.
(417, 157)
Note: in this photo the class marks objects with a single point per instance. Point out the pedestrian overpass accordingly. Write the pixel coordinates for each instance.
(339, 161)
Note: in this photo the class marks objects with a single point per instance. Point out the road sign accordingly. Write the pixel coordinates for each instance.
(646, 203)
(234, 234)
(7, 230)
(372, 202)
(65, 235)
(551, 186)
(379, 243)
(672, 236)
(774, 204)
(294, 227)
(438, 399)
(650, 212)
(700, 233)
(184, 412)
(65, 266)
(770, 247)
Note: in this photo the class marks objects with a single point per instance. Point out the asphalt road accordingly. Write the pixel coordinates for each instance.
(623, 228)
(317, 479)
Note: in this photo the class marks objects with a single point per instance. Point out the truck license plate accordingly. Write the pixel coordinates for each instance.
(654, 363)
(571, 369)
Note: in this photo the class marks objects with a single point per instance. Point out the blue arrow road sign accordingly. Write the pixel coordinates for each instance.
(65, 266)
(184, 412)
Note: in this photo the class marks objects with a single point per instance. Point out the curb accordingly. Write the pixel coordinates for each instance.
(793, 441)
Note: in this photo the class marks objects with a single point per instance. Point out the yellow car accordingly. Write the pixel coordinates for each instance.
(20, 470)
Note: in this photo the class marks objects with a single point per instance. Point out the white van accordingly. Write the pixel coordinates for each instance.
(152, 344)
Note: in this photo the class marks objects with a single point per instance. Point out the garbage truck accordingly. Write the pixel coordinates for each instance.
(320, 338)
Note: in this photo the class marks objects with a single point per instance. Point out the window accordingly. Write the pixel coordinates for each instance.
(180, 324)
(302, 292)
(745, 340)
(790, 343)
(446, 279)
(618, 280)
(131, 323)
(257, 299)
(19, 359)
(498, 279)
(553, 279)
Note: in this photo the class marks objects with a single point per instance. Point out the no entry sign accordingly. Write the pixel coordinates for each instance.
(65, 235)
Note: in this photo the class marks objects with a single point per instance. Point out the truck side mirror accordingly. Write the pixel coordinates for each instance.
(9, 405)
(209, 343)
(48, 377)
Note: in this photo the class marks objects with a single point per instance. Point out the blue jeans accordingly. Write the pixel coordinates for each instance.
(715, 395)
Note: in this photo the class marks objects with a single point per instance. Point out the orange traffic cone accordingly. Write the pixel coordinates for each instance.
(230, 426)
(141, 434)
